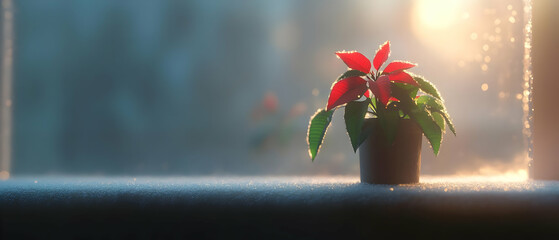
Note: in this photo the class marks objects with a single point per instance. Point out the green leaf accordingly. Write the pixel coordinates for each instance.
(448, 121)
(422, 117)
(438, 117)
(351, 73)
(436, 105)
(317, 129)
(404, 115)
(427, 87)
(354, 117)
(431, 102)
(431, 130)
(389, 123)
(403, 95)
(410, 89)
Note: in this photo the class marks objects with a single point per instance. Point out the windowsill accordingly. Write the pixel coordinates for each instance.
(296, 206)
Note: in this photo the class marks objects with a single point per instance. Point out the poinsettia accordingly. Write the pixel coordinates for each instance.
(362, 79)
(389, 94)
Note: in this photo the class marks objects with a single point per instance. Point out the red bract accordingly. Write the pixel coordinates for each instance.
(382, 55)
(346, 90)
(402, 77)
(351, 88)
(397, 66)
(355, 60)
(381, 88)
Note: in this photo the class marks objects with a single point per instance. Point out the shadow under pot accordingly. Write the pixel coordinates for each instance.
(398, 163)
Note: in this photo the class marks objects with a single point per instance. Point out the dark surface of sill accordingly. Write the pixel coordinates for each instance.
(277, 207)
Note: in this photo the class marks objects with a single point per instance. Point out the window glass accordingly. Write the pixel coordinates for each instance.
(227, 87)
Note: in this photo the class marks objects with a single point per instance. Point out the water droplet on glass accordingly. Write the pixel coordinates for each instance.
(528, 80)
(512, 19)
(484, 87)
(473, 36)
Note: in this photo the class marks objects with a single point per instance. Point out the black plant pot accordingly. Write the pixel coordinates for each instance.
(398, 163)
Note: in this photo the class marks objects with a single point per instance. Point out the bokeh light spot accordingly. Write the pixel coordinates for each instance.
(484, 87)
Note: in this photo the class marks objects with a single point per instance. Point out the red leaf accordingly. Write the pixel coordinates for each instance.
(355, 60)
(398, 66)
(368, 93)
(346, 90)
(402, 77)
(381, 89)
(393, 99)
(381, 55)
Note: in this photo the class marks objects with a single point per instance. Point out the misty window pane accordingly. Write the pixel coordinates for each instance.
(227, 87)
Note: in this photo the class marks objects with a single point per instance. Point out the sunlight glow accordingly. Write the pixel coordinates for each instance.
(520, 176)
(511, 176)
(435, 22)
(437, 14)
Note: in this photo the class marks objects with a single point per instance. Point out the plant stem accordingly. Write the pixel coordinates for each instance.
(373, 107)
(374, 113)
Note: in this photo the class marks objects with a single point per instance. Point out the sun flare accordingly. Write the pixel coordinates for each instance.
(435, 23)
(437, 14)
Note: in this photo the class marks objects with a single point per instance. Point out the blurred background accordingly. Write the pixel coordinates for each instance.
(227, 87)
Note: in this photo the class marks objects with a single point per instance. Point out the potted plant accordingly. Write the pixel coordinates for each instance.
(386, 112)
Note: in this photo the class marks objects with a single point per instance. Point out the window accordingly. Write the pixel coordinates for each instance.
(227, 87)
